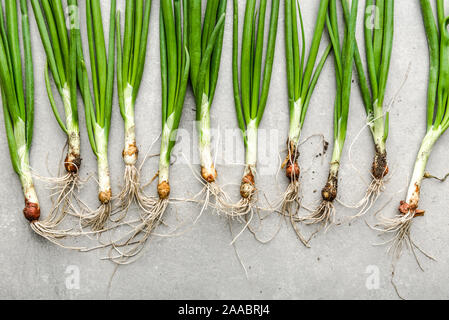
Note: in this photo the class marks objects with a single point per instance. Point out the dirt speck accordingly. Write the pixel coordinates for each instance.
(325, 147)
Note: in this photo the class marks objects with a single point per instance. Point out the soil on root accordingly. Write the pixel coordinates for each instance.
(380, 165)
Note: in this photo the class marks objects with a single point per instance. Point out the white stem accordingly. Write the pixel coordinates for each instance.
(420, 165)
(164, 171)
(251, 150)
(205, 135)
(24, 163)
(102, 160)
(164, 159)
(378, 127)
(295, 120)
(129, 154)
(336, 157)
(74, 140)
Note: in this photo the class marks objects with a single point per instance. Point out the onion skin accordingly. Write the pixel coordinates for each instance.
(292, 172)
(105, 196)
(32, 211)
(163, 190)
(130, 154)
(247, 187)
(209, 175)
(406, 208)
(72, 163)
(329, 192)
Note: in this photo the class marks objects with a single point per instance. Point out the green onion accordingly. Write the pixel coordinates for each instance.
(302, 80)
(98, 106)
(378, 47)
(205, 42)
(251, 87)
(17, 101)
(175, 68)
(59, 42)
(437, 124)
(130, 64)
(344, 59)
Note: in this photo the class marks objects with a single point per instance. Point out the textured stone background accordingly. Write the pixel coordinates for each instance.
(200, 263)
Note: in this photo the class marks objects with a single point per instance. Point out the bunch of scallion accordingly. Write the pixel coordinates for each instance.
(130, 64)
(344, 60)
(98, 106)
(205, 41)
(175, 69)
(251, 88)
(378, 47)
(60, 40)
(17, 101)
(302, 77)
(437, 124)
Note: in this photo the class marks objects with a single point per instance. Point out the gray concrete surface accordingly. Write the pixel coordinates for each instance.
(200, 263)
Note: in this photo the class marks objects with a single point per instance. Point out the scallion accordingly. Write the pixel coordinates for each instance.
(378, 47)
(205, 43)
(130, 64)
(59, 41)
(437, 124)
(17, 101)
(344, 60)
(251, 87)
(98, 106)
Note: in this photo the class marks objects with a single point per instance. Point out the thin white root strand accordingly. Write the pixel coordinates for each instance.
(130, 192)
(239, 258)
(290, 201)
(400, 226)
(324, 214)
(65, 191)
(239, 210)
(374, 191)
(429, 176)
(128, 247)
(132, 189)
(97, 219)
(212, 196)
(289, 206)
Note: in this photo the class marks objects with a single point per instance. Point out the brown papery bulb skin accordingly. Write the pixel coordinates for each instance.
(32, 211)
(163, 190)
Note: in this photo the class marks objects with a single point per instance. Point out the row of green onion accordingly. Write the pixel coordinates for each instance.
(191, 44)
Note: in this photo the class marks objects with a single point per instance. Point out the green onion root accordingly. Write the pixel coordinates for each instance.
(212, 190)
(325, 213)
(379, 171)
(291, 195)
(400, 225)
(131, 179)
(128, 247)
(248, 188)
